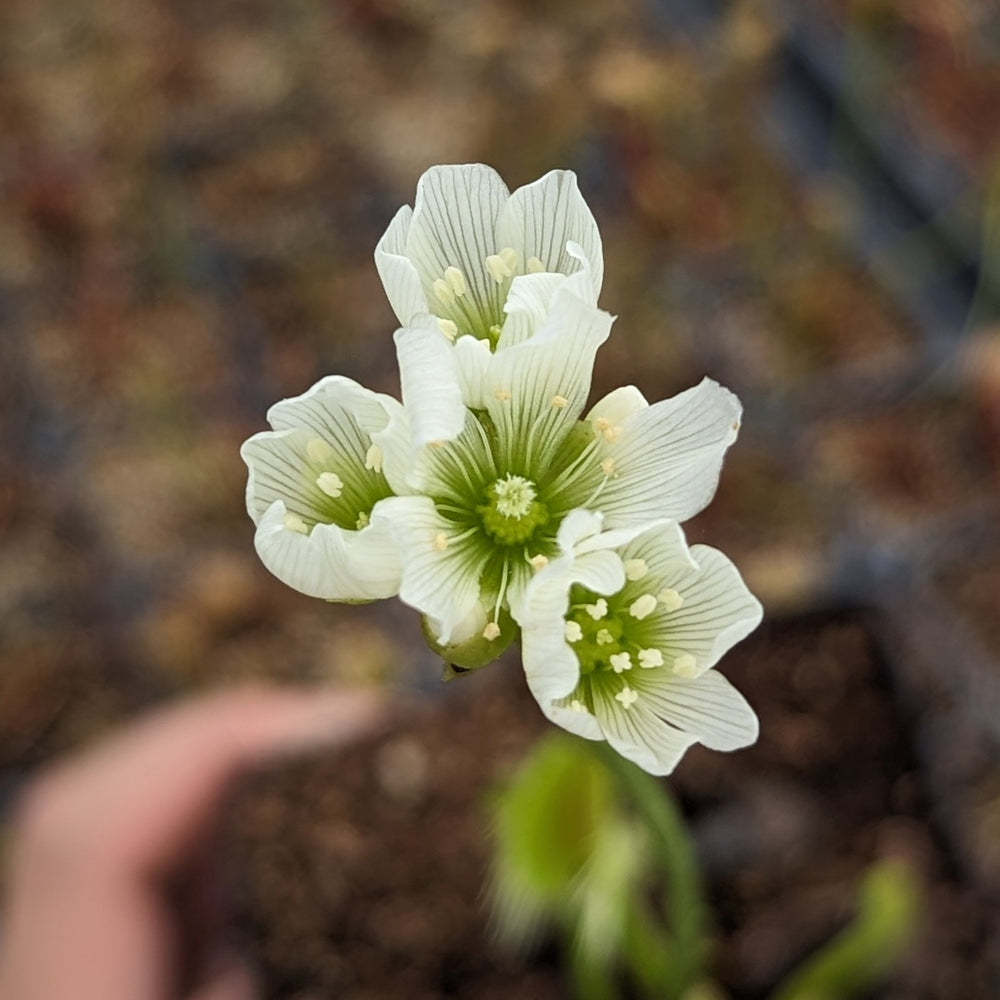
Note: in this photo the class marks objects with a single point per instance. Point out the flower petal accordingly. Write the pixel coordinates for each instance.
(440, 575)
(329, 562)
(542, 217)
(400, 278)
(529, 302)
(667, 457)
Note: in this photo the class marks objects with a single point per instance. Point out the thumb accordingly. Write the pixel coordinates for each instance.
(232, 981)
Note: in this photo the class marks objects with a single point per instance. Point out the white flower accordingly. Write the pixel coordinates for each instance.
(651, 692)
(468, 241)
(500, 457)
(314, 490)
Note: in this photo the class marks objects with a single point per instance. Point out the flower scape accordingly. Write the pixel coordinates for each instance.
(494, 502)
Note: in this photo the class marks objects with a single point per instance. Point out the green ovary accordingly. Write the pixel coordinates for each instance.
(512, 513)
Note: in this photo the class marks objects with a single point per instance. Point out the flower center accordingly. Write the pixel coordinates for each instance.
(512, 513)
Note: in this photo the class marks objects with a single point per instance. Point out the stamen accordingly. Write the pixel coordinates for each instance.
(642, 606)
(535, 266)
(456, 280)
(604, 637)
(491, 632)
(363, 520)
(649, 658)
(608, 467)
(498, 268)
(539, 561)
(509, 256)
(670, 599)
(635, 569)
(558, 402)
(443, 292)
(318, 450)
(573, 632)
(440, 542)
(448, 328)
(606, 429)
(373, 458)
(627, 697)
(597, 610)
(501, 395)
(577, 706)
(685, 665)
(620, 661)
(330, 483)
(601, 425)
(295, 523)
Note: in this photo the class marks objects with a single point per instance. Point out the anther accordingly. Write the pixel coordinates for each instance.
(577, 706)
(509, 256)
(501, 395)
(456, 280)
(363, 520)
(535, 266)
(604, 637)
(373, 458)
(539, 561)
(670, 599)
(330, 483)
(649, 658)
(573, 632)
(597, 610)
(448, 328)
(295, 523)
(620, 661)
(318, 450)
(498, 268)
(443, 292)
(608, 466)
(627, 697)
(491, 632)
(635, 569)
(685, 665)
(440, 541)
(642, 606)
(558, 402)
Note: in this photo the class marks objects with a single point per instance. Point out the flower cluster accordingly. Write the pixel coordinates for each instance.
(494, 502)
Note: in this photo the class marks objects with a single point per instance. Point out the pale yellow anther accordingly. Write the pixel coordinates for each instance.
(435, 444)
(535, 266)
(604, 637)
(440, 541)
(635, 569)
(443, 292)
(577, 706)
(620, 662)
(456, 280)
(539, 562)
(670, 599)
(611, 434)
(295, 523)
(601, 425)
(491, 632)
(597, 610)
(649, 658)
(373, 458)
(448, 328)
(573, 632)
(608, 466)
(330, 483)
(685, 665)
(498, 268)
(558, 402)
(363, 520)
(501, 395)
(318, 450)
(642, 606)
(509, 256)
(627, 697)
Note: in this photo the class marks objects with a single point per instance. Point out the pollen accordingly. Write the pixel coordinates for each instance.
(597, 610)
(491, 632)
(649, 658)
(440, 541)
(373, 458)
(670, 599)
(601, 425)
(455, 279)
(627, 697)
(295, 523)
(608, 466)
(318, 450)
(573, 632)
(535, 266)
(448, 328)
(641, 607)
(558, 402)
(330, 483)
(620, 662)
(604, 637)
(498, 268)
(635, 569)
(577, 706)
(363, 520)
(539, 561)
(685, 665)
(501, 395)
(443, 292)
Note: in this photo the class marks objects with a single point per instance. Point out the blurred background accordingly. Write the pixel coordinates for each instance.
(801, 200)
